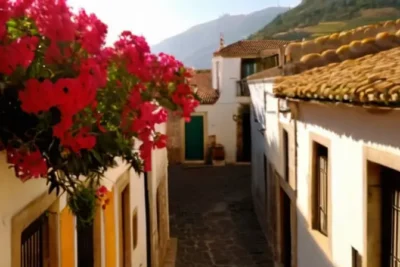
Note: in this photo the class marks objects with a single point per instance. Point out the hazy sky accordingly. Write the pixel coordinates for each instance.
(159, 19)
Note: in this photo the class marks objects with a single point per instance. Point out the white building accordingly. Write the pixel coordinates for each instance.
(326, 167)
(224, 114)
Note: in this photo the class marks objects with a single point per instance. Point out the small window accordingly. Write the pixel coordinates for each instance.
(286, 154)
(356, 258)
(320, 216)
(135, 228)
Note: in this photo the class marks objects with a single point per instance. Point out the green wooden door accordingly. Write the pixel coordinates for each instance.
(194, 139)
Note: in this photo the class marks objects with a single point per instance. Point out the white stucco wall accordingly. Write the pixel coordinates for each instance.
(137, 200)
(257, 159)
(272, 134)
(158, 172)
(221, 124)
(229, 69)
(349, 130)
(230, 74)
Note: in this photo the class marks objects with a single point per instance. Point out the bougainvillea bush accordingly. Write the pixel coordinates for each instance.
(69, 105)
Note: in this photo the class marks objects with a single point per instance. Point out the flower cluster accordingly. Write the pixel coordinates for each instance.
(71, 105)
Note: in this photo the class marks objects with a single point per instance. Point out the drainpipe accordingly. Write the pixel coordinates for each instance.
(148, 222)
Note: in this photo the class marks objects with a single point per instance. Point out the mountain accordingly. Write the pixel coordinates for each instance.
(195, 46)
(313, 18)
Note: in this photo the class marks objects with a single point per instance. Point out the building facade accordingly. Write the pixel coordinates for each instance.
(38, 229)
(332, 151)
(223, 116)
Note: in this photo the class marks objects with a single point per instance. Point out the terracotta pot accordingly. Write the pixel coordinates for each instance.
(218, 153)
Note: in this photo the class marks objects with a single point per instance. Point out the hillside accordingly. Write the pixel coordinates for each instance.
(313, 18)
(195, 46)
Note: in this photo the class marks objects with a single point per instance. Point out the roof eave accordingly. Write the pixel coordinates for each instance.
(368, 107)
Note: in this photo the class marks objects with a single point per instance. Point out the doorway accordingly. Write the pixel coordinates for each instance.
(85, 246)
(286, 244)
(194, 139)
(246, 139)
(125, 234)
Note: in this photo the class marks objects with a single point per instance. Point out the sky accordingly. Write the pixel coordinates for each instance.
(157, 20)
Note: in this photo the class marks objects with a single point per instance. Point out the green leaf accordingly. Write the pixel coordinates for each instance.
(12, 23)
(166, 103)
(97, 156)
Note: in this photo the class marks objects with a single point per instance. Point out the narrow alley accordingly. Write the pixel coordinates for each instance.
(211, 214)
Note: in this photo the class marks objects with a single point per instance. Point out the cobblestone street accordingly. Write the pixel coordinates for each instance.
(212, 216)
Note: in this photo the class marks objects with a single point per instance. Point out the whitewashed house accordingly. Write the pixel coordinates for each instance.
(38, 229)
(224, 114)
(326, 166)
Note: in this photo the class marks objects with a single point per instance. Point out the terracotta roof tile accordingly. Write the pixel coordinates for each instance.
(296, 50)
(355, 49)
(203, 81)
(248, 48)
(373, 79)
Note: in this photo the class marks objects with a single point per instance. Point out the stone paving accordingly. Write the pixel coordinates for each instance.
(211, 214)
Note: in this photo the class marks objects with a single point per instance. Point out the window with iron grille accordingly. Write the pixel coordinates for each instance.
(34, 243)
(321, 189)
(390, 218)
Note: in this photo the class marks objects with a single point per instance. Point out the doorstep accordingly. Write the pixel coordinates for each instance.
(172, 248)
(245, 163)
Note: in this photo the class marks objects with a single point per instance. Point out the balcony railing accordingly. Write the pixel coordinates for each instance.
(242, 88)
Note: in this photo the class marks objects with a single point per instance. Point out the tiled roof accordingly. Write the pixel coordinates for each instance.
(355, 49)
(296, 50)
(203, 81)
(248, 48)
(369, 80)
(272, 72)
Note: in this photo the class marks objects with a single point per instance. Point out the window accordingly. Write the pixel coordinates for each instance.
(135, 228)
(320, 216)
(249, 67)
(269, 62)
(286, 154)
(355, 258)
(34, 243)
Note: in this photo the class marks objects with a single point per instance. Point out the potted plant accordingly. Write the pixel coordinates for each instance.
(69, 106)
(218, 153)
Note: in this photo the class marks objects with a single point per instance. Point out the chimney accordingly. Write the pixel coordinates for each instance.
(221, 41)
